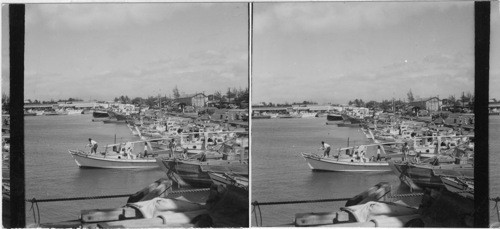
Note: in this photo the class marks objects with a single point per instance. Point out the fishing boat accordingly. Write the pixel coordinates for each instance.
(29, 113)
(463, 186)
(121, 156)
(386, 206)
(345, 161)
(259, 116)
(285, 116)
(347, 124)
(226, 179)
(86, 160)
(194, 170)
(118, 116)
(74, 111)
(308, 114)
(51, 112)
(352, 119)
(100, 114)
(334, 117)
(321, 114)
(428, 173)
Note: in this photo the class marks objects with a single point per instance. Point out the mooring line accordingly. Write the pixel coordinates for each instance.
(255, 203)
(34, 200)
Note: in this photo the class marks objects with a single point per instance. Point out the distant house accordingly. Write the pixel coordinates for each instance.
(433, 104)
(195, 100)
(429, 104)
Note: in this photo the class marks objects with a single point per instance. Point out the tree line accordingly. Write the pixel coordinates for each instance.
(231, 96)
(466, 100)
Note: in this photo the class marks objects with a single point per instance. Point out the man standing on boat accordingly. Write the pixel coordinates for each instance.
(326, 148)
(405, 151)
(93, 146)
(171, 146)
(145, 149)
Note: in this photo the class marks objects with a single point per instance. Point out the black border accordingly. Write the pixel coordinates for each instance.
(17, 172)
(481, 90)
(481, 164)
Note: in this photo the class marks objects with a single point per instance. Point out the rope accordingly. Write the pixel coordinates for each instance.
(255, 203)
(79, 198)
(405, 195)
(34, 215)
(496, 199)
(111, 196)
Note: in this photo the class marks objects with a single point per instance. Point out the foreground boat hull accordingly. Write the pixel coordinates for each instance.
(317, 163)
(421, 176)
(229, 179)
(100, 114)
(84, 160)
(334, 117)
(459, 185)
(196, 174)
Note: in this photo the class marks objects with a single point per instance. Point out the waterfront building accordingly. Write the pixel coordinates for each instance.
(195, 100)
(494, 107)
(431, 104)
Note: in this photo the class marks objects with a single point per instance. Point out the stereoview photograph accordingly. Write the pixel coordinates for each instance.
(136, 115)
(363, 114)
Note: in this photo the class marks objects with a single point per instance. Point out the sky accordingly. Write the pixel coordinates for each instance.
(495, 51)
(328, 52)
(335, 52)
(102, 51)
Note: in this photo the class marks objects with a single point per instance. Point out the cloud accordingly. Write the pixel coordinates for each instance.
(436, 74)
(318, 16)
(204, 71)
(118, 49)
(85, 17)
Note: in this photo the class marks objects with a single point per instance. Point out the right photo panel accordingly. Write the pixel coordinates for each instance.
(362, 114)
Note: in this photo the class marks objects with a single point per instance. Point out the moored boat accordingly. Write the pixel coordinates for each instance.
(334, 117)
(121, 156)
(345, 161)
(308, 114)
(385, 206)
(29, 113)
(317, 163)
(463, 186)
(421, 175)
(261, 116)
(351, 119)
(118, 116)
(195, 172)
(74, 111)
(226, 179)
(86, 160)
(100, 114)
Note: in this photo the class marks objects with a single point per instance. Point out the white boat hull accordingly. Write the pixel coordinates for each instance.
(221, 179)
(84, 160)
(332, 164)
(309, 115)
(74, 112)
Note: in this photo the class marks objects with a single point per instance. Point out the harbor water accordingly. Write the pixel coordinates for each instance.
(51, 172)
(279, 173)
(494, 166)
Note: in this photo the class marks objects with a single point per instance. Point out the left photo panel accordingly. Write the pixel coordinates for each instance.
(135, 115)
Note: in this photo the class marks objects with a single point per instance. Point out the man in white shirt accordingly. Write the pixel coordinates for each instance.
(145, 149)
(326, 148)
(93, 146)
